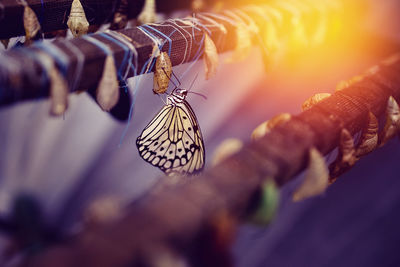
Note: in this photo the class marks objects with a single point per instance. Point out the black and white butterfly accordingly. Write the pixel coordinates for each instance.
(172, 141)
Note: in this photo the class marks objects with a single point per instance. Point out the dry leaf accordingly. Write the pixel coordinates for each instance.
(369, 137)
(227, 148)
(77, 21)
(210, 57)
(268, 125)
(31, 24)
(316, 178)
(392, 124)
(314, 100)
(107, 94)
(243, 44)
(162, 73)
(346, 157)
(148, 14)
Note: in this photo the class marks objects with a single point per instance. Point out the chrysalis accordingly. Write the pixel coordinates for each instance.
(121, 16)
(103, 210)
(268, 125)
(316, 177)
(227, 148)
(314, 100)
(162, 73)
(392, 124)
(268, 203)
(148, 14)
(107, 94)
(5, 42)
(58, 86)
(243, 44)
(31, 24)
(210, 57)
(369, 137)
(198, 5)
(345, 84)
(346, 157)
(77, 21)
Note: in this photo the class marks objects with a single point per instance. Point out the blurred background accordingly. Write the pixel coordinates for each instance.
(68, 163)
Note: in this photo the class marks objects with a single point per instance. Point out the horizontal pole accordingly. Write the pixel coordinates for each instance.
(171, 220)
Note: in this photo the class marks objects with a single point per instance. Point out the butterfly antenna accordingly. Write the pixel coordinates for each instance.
(195, 78)
(203, 96)
(162, 100)
(169, 77)
(179, 82)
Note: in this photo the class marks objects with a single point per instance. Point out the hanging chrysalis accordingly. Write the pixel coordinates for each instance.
(369, 137)
(107, 94)
(162, 73)
(210, 57)
(77, 21)
(103, 210)
(227, 148)
(346, 157)
(31, 24)
(120, 16)
(268, 203)
(392, 124)
(314, 100)
(148, 14)
(316, 177)
(198, 5)
(345, 84)
(268, 125)
(58, 86)
(5, 42)
(243, 44)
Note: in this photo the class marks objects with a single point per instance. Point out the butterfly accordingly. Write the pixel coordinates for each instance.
(172, 141)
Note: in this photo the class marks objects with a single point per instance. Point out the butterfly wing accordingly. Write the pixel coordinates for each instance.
(172, 141)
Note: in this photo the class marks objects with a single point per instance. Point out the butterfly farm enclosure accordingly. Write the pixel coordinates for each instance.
(199, 133)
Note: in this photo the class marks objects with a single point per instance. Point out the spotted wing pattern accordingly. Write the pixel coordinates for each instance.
(172, 141)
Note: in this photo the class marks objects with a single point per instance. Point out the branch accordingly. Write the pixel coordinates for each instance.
(174, 218)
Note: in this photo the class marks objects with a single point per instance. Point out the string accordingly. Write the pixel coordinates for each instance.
(162, 34)
(80, 57)
(122, 38)
(151, 60)
(126, 52)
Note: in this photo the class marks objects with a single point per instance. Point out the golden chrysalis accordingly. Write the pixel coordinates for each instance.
(77, 21)
(369, 137)
(314, 100)
(243, 44)
(268, 125)
(346, 157)
(120, 16)
(31, 24)
(316, 178)
(58, 86)
(162, 73)
(5, 42)
(148, 14)
(227, 148)
(392, 124)
(107, 94)
(210, 57)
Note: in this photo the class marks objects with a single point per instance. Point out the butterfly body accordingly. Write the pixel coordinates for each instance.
(172, 141)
